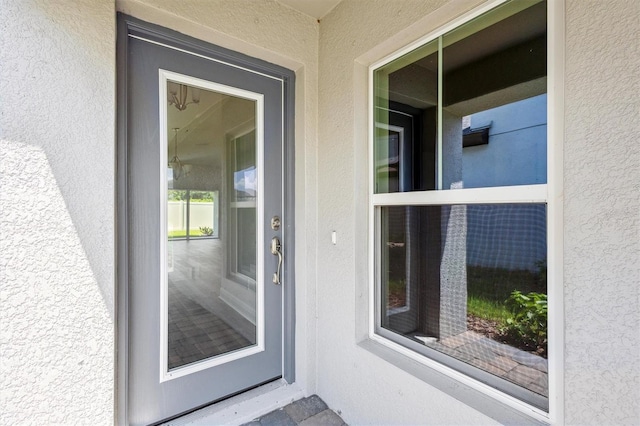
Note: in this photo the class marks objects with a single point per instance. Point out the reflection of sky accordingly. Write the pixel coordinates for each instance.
(388, 149)
(246, 181)
(170, 177)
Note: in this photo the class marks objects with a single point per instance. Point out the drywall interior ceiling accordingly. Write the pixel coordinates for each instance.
(315, 8)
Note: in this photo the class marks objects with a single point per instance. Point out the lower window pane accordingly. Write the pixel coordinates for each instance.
(467, 284)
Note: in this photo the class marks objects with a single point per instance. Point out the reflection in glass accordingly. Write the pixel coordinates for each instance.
(211, 228)
(192, 213)
(494, 100)
(452, 279)
(478, 117)
(405, 121)
(242, 214)
(201, 213)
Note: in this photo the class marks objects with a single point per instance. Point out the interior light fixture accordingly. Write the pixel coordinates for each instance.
(175, 164)
(177, 95)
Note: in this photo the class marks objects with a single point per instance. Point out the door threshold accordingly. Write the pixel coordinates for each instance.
(244, 407)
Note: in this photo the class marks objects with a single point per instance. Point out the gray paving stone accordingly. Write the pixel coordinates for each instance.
(489, 368)
(461, 339)
(477, 350)
(453, 352)
(323, 418)
(305, 408)
(504, 363)
(531, 360)
(311, 411)
(523, 375)
(498, 348)
(277, 418)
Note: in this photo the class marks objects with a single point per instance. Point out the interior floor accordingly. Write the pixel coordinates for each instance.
(200, 324)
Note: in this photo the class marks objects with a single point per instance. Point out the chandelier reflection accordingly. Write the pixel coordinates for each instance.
(177, 95)
(179, 169)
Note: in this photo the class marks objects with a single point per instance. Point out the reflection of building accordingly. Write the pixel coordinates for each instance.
(512, 151)
(517, 132)
(514, 154)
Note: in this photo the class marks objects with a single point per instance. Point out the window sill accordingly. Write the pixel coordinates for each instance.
(446, 382)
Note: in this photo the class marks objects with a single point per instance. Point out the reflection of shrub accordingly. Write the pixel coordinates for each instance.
(397, 297)
(205, 230)
(542, 272)
(528, 324)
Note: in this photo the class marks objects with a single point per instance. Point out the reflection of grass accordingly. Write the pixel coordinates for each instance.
(396, 286)
(181, 233)
(397, 293)
(489, 288)
(487, 309)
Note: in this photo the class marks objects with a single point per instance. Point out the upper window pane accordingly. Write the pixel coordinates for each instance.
(484, 125)
(494, 112)
(406, 110)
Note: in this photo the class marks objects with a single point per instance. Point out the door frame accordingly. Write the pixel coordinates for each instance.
(127, 27)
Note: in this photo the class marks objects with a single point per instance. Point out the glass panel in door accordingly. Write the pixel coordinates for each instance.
(211, 297)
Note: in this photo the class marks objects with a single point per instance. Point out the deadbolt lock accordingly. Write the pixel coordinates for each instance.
(275, 223)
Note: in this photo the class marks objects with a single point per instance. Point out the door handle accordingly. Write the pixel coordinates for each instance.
(276, 250)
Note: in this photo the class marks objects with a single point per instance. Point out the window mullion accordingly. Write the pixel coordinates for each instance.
(492, 195)
(439, 115)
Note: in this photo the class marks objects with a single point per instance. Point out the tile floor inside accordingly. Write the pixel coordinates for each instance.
(200, 324)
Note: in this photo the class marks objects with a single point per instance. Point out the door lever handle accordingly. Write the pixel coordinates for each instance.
(276, 250)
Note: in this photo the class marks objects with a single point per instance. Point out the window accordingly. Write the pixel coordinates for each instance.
(192, 213)
(242, 209)
(459, 200)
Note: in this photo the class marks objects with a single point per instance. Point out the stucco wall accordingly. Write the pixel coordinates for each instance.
(57, 75)
(602, 212)
(57, 223)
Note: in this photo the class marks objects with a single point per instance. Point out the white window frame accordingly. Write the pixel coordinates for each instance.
(549, 193)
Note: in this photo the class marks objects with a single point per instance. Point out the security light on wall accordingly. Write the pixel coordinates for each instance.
(177, 95)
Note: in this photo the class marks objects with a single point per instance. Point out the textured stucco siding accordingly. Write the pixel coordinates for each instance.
(602, 212)
(57, 177)
(57, 81)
